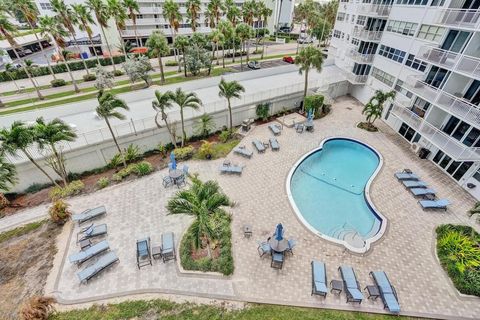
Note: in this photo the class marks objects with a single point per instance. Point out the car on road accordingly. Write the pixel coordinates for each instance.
(285, 29)
(253, 64)
(288, 59)
(305, 40)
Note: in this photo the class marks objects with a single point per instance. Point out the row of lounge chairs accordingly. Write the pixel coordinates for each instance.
(351, 285)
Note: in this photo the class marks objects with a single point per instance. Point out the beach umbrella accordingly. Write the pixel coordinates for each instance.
(172, 160)
(279, 232)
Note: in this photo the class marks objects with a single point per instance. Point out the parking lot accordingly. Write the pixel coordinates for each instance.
(263, 65)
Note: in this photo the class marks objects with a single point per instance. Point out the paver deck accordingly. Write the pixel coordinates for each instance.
(406, 251)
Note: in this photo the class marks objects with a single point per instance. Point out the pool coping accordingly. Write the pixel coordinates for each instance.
(382, 218)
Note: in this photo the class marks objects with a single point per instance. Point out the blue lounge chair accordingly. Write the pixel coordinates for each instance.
(84, 255)
(319, 279)
(275, 129)
(89, 214)
(264, 248)
(352, 287)
(231, 169)
(91, 231)
(244, 152)
(406, 176)
(420, 192)
(168, 247)
(274, 144)
(434, 204)
(277, 260)
(104, 262)
(387, 291)
(258, 145)
(143, 253)
(291, 244)
(414, 184)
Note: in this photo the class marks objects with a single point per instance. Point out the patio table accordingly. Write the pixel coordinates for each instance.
(278, 245)
(175, 174)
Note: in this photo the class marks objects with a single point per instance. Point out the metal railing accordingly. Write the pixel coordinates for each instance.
(379, 10)
(360, 57)
(460, 18)
(367, 34)
(355, 78)
(440, 139)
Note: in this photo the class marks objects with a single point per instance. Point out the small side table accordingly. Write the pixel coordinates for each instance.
(85, 244)
(157, 252)
(429, 197)
(247, 231)
(373, 292)
(337, 286)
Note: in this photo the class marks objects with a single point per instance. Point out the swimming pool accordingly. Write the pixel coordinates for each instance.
(329, 191)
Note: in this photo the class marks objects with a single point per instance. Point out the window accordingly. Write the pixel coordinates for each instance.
(45, 5)
(361, 20)
(408, 133)
(336, 34)
(402, 27)
(392, 53)
(456, 169)
(340, 16)
(412, 2)
(414, 63)
(399, 88)
(355, 41)
(343, 35)
(431, 33)
(382, 76)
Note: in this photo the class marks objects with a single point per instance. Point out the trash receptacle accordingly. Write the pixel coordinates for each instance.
(84, 55)
(423, 153)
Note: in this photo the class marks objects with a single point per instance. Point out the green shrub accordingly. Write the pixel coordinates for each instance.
(58, 83)
(171, 63)
(206, 150)
(89, 77)
(117, 177)
(73, 188)
(35, 187)
(263, 111)
(115, 162)
(183, 153)
(118, 73)
(143, 168)
(103, 182)
(225, 136)
(132, 153)
(315, 105)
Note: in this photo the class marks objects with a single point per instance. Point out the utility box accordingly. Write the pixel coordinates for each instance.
(423, 153)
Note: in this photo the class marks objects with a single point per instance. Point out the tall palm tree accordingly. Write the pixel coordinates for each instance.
(158, 45)
(226, 28)
(233, 12)
(102, 15)
(181, 43)
(8, 178)
(193, 10)
(116, 10)
(49, 135)
(107, 109)
(30, 13)
(202, 200)
(7, 30)
(51, 27)
(133, 9)
(265, 13)
(185, 100)
(216, 37)
(162, 102)
(229, 90)
(374, 107)
(83, 16)
(243, 32)
(19, 138)
(249, 11)
(66, 18)
(214, 12)
(308, 58)
(171, 13)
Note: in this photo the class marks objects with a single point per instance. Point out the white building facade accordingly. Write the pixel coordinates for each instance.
(428, 51)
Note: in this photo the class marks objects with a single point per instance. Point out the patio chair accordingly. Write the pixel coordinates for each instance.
(231, 169)
(258, 145)
(185, 170)
(244, 152)
(277, 260)
(89, 214)
(291, 244)
(421, 192)
(387, 291)
(299, 127)
(274, 144)
(168, 247)
(403, 176)
(180, 181)
(351, 285)
(91, 231)
(275, 129)
(167, 181)
(319, 279)
(144, 257)
(434, 204)
(84, 255)
(414, 184)
(101, 264)
(264, 248)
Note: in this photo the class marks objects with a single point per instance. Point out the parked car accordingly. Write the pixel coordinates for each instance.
(288, 59)
(305, 40)
(285, 29)
(253, 64)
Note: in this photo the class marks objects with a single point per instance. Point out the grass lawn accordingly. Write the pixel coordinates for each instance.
(166, 310)
(219, 149)
(17, 232)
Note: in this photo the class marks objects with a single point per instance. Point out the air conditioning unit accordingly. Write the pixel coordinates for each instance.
(415, 147)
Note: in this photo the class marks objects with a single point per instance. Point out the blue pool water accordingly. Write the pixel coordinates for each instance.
(328, 188)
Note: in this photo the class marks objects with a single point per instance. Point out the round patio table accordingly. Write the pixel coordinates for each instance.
(278, 245)
(175, 174)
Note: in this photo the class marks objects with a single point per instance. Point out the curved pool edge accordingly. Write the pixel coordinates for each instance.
(381, 217)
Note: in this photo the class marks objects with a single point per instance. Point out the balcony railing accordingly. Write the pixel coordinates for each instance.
(367, 34)
(467, 65)
(455, 105)
(460, 18)
(355, 78)
(360, 57)
(454, 148)
(379, 10)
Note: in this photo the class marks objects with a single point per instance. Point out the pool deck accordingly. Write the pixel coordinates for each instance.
(406, 251)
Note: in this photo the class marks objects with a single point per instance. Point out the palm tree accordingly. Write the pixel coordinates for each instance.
(9, 69)
(162, 102)
(229, 90)
(83, 17)
(249, 11)
(116, 10)
(30, 13)
(50, 26)
(233, 13)
(214, 12)
(171, 13)
(7, 30)
(216, 37)
(8, 178)
(202, 200)
(67, 19)
(158, 45)
(102, 16)
(181, 43)
(243, 32)
(308, 58)
(193, 10)
(226, 28)
(19, 138)
(107, 108)
(186, 100)
(49, 134)
(205, 125)
(374, 107)
(133, 9)
(265, 13)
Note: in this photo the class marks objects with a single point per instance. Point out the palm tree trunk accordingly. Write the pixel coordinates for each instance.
(42, 50)
(218, 61)
(29, 157)
(263, 47)
(93, 47)
(135, 32)
(13, 79)
(116, 142)
(122, 43)
(234, 51)
(248, 49)
(74, 82)
(184, 134)
(223, 55)
(78, 48)
(241, 56)
(305, 89)
(39, 94)
(61, 164)
(230, 111)
(108, 47)
(162, 76)
(184, 62)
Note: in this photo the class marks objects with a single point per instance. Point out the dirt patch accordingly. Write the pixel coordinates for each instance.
(25, 262)
(203, 253)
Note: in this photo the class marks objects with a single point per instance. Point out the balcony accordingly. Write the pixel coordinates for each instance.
(377, 10)
(469, 66)
(360, 57)
(367, 34)
(355, 78)
(148, 21)
(454, 148)
(459, 18)
(457, 106)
